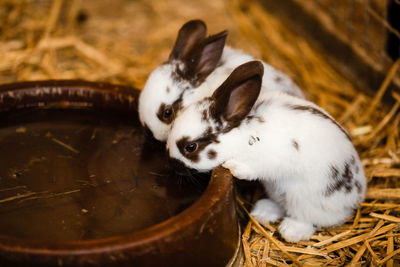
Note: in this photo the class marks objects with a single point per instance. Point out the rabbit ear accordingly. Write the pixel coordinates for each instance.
(191, 33)
(206, 56)
(233, 100)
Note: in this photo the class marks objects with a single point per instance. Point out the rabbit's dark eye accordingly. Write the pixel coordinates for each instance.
(190, 148)
(167, 112)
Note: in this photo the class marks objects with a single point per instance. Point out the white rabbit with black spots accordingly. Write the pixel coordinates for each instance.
(304, 158)
(196, 66)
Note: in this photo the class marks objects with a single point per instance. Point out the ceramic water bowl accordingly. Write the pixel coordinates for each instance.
(82, 185)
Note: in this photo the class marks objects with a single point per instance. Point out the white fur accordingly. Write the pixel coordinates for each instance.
(295, 179)
(267, 211)
(155, 90)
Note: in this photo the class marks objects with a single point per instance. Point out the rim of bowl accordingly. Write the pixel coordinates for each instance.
(220, 182)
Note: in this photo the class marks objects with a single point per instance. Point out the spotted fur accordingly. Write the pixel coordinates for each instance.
(296, 145)
(318, 112)
(202, 142)
(344, 180)
(212, 154)
(308, 165)
(196, 67)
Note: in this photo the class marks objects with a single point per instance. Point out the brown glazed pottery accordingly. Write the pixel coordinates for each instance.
(82, 184)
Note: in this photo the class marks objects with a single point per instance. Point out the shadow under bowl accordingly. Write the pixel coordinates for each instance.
(81, 184)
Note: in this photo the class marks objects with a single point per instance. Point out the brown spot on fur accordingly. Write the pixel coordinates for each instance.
(339, 181)
(211, 154)
(347, 177)
(358, 186)
(295, 144)
(357, 169)
(208, 131)
(202, 142)
(252, 117)
(319, 113)
(352, 160)
(204, 115)
(177, 74)
(278, 79)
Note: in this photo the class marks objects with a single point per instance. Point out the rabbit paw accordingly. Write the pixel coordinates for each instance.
(238, 169)
(267, 211)
(293, 230)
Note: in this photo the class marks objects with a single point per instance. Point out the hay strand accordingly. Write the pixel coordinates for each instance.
(61, 143)
(123, 41)
(267, 235)
(332, 239)
(378, 97)
(390, 249)
(385, 217)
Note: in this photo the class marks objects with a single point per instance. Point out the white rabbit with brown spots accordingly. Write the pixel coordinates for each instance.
(195, 68)
(304, 158)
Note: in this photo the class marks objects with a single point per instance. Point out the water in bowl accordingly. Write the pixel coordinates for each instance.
(68, 175)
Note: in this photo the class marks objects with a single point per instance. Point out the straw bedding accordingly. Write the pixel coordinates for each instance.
(121, 41)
